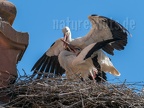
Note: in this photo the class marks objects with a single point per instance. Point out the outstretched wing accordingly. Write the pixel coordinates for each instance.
(91, 52)
(88, 51)
(104, 28)
(48, 65)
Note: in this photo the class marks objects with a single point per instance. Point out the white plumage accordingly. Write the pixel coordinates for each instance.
(105, 34)
(75, 71)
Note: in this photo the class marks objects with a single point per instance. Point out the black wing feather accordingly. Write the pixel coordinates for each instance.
(109, 49)
(38, 63)
(100, 45)
(42, 67)
(48, 65)
(118, 31)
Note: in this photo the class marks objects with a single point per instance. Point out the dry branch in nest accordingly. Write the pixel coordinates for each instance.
(61, 93)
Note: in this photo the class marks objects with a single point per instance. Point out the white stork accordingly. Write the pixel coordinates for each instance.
(89, 61)
(105, 34)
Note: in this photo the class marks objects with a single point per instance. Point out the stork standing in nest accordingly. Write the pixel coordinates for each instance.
(84, 57)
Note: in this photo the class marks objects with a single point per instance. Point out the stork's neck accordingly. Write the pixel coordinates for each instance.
(69, 37)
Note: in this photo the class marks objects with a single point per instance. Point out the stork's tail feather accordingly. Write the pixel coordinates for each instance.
(114, 71)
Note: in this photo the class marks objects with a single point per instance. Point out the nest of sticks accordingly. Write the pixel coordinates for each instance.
(62, 93)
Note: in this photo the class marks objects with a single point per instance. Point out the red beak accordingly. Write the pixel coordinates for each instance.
(69, 46)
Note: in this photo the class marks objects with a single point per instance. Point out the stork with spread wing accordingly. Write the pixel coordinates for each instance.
(85, 55)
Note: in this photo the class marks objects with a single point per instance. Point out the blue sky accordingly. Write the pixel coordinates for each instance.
(39, 17)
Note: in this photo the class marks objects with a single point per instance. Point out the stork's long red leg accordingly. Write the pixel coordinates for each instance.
(93, 73)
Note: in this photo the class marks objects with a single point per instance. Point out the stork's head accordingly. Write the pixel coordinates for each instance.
(67, 34)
